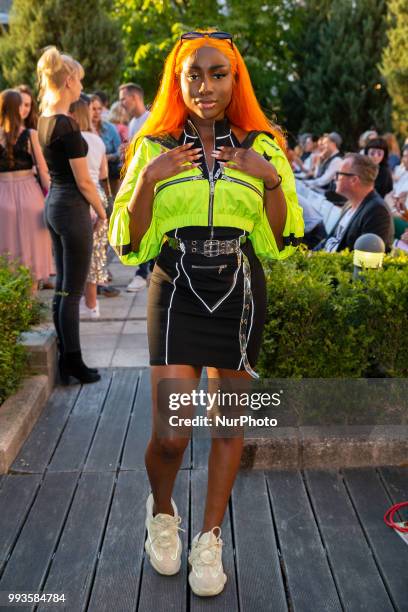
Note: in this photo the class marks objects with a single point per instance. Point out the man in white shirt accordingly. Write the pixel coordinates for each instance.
(331, 164)
(131, 96)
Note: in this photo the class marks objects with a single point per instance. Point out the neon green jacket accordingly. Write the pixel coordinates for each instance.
(233, 199)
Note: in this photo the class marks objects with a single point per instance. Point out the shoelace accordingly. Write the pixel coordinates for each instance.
(169, 526)
(212, 547)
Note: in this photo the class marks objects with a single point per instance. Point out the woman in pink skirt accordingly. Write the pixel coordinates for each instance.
(23, 234)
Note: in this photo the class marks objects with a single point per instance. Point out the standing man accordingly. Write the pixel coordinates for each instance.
(131, 96)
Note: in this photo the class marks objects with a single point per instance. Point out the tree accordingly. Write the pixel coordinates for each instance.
(83, 29)
(339, 81)
(151, 27)
(395, 63)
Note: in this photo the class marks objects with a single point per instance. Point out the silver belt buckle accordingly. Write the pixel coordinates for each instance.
(211, 248)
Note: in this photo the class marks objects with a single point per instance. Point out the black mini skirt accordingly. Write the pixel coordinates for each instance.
(206, 311)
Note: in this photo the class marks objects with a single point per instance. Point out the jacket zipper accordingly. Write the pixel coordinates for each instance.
(210, 179)
(230, 179)
(220, 268)
(180, 180)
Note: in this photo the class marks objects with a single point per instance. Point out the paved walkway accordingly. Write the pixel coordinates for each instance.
(72, 511)
(119, 337)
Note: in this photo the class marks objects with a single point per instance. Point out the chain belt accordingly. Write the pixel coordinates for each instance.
(209, 248)
(243, 326)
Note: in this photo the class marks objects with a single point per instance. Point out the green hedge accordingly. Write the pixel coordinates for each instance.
(323, 324)
(18, 310)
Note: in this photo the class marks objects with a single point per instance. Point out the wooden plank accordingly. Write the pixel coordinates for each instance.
(118, 575)
(37, 451)
(16, 497)
(228, 599)
(73, 566)
(201, 447)
(358, 581)
(107, 444)
(32, 554)
(139, 430)
(371, 502)
(72, 449)
(161, 593)
(256, 550)
(396, 482)
(140, 425)
(309, 580)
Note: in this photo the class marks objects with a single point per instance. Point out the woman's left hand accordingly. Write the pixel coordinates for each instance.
(248, 161)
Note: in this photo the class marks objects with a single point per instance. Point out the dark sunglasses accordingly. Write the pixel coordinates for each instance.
(216, 35)
(344, 174)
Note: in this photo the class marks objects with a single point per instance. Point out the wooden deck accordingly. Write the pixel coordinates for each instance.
(72, 511)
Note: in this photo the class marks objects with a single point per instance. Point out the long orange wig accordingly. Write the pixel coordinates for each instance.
(169, 112)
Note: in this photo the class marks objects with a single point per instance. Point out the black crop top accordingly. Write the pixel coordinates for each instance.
(22, 159)
(61, 140)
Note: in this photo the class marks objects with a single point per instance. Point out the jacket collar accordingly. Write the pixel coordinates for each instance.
(223, 134)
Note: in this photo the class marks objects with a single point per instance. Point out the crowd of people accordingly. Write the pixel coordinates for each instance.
(25, 182)
(346, 195)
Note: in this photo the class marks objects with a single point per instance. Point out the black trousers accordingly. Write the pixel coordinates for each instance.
(69, 222)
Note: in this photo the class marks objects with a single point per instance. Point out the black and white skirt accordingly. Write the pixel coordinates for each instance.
(206, 311)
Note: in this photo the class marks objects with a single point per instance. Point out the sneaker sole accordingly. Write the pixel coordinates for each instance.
(153, 563)
(206, 592)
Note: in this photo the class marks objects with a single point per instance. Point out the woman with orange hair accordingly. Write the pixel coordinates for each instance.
(208, 188)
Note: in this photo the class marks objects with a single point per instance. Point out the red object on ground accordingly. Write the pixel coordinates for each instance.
(389, 517)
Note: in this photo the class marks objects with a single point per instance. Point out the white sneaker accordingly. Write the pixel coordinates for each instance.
(163, 544)
(136, 284)
(88, 313)
(207, 573)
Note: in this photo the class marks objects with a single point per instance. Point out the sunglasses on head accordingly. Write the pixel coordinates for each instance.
(216, 35)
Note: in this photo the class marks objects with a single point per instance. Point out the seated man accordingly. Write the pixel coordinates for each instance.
(365, 211)
(328, 168)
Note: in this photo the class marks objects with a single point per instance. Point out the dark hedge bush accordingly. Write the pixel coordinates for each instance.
(323, 324)
(18, 310)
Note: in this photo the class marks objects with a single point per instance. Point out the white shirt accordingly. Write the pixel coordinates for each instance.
(96, 151)
(136, 123)
(328, 175)
(333, 242)
(401, 180)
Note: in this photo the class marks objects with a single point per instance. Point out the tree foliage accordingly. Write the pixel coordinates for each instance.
(395, 63)
(151, 27)
(339, 84)
(83, 29)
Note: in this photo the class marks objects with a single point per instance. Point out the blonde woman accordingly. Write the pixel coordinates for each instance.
(67, 205)
(120, 119)
(98, 169)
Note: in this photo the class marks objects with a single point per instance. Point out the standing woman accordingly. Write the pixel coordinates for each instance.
(23, 232)
(98, 169)
(67, 205)
(208, 176)
(29, 110)
(29, 115)
(111, 138)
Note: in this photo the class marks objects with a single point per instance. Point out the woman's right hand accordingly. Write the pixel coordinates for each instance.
(172, 162)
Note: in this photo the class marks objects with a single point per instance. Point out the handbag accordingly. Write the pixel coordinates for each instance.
(36, 173)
